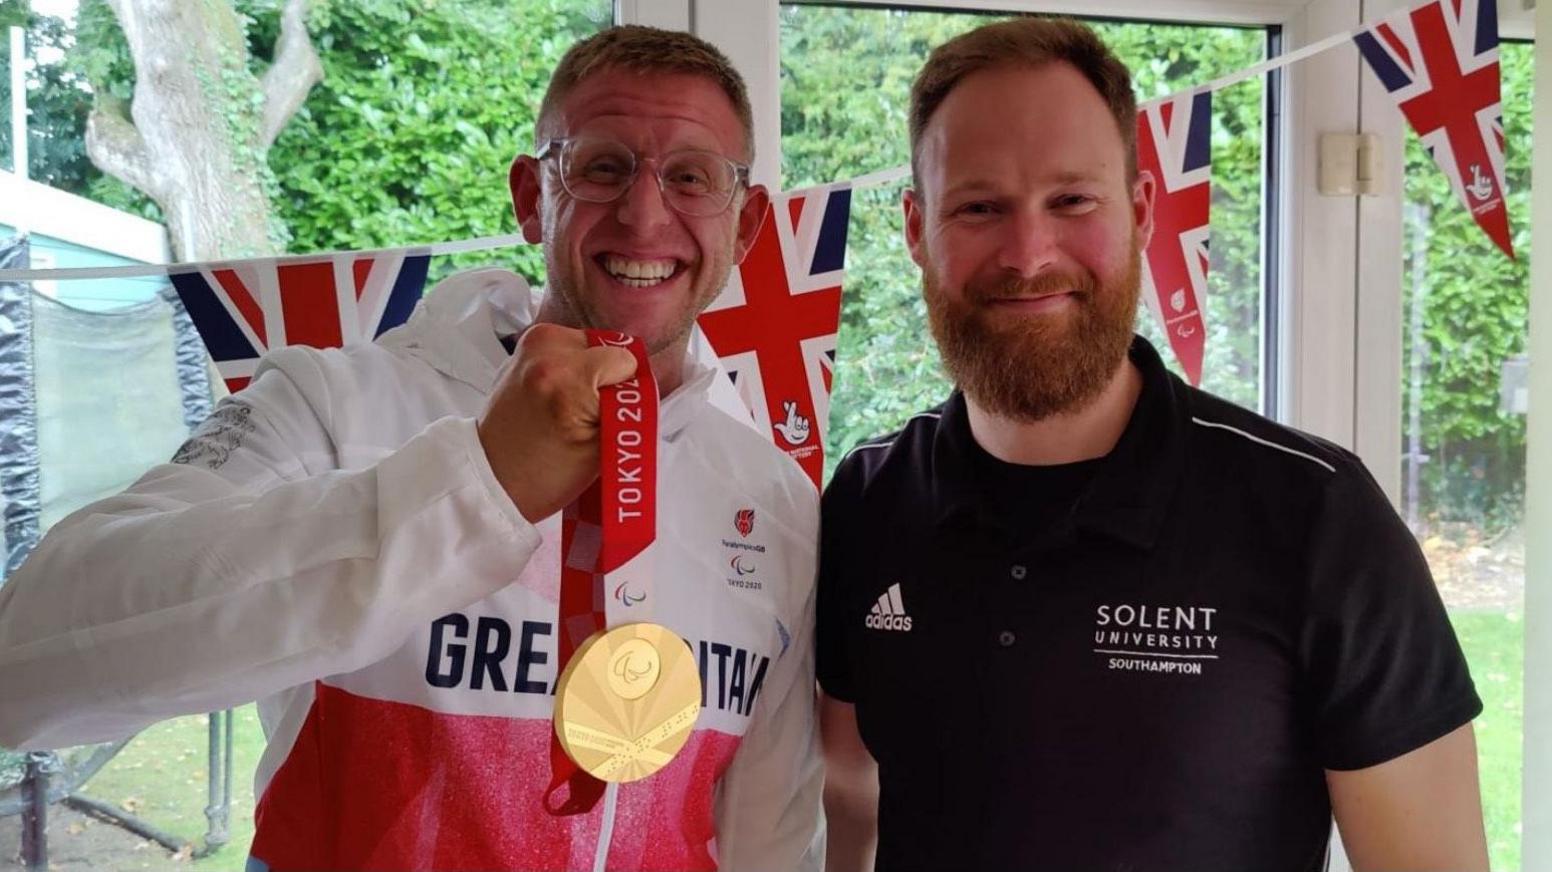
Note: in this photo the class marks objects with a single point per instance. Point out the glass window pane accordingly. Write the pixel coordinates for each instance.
(846, 76)
(1464, 313)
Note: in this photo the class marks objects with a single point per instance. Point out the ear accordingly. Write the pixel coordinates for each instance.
(915, 207)
(751, 216)
(1143, 192)
(527, 196)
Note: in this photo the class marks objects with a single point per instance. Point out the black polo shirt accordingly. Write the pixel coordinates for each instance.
(1149, 670)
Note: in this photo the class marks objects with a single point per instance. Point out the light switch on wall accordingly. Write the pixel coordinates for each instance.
(1349, 164)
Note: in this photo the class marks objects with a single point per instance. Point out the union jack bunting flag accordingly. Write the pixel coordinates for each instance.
(774, 325)
(246, 308)
(1440, 63)
(1174, 144)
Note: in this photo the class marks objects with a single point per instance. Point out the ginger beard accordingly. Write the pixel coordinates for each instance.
(1030, 368)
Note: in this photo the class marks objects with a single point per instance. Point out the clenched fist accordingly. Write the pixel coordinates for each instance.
(540, 427)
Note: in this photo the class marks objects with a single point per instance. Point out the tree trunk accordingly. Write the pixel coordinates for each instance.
(199, 129)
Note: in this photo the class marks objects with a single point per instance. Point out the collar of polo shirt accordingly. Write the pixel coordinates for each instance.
(1131, 492)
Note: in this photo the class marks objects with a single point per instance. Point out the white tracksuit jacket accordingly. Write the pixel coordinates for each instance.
(332, 542)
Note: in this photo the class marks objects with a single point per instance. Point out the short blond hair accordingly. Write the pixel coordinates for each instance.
(1030, 42)
(643, 49)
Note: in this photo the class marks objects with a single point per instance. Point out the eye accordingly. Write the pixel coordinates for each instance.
(604, 170)
(688, 179)
(1074, 203)
(976, 209)
(696, 174)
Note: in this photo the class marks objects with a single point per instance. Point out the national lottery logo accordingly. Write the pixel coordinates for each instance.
(1481, 186)
(795, 429)
(889, 612)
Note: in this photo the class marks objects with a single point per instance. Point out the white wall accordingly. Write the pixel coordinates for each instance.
(1536, 813)
(36, 208)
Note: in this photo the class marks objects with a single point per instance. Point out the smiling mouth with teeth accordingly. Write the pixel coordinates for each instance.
(638, 273)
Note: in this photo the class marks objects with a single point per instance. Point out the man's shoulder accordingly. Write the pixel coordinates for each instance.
(367, 396)
(1299, 477)
(901, 452)
(362, 367)
(1221, 430)
(739, 456)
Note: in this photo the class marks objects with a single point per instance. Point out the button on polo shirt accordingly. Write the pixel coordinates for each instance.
(1151, 670)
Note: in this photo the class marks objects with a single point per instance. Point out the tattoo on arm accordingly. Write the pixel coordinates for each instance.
(223, 432)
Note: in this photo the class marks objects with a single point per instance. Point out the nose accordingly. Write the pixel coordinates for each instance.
(1029, 244)
(642, 206)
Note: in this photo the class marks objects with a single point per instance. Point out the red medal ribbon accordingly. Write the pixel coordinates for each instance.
(613, 521)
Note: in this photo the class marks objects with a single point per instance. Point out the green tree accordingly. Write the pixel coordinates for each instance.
(14, 13)
(58, 102)
(184, 112)
(422, 108)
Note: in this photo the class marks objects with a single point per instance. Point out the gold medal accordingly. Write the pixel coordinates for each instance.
(626, 701)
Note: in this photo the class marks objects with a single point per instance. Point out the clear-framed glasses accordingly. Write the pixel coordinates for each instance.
(693, 182)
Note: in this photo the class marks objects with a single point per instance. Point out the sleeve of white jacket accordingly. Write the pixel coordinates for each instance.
(248, 569)
(768, 803)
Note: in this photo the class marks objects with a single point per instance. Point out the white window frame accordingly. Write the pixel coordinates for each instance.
(1536, 811)
(667, 14)
(1339, 319)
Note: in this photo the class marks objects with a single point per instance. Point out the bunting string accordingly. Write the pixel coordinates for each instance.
(774, 327)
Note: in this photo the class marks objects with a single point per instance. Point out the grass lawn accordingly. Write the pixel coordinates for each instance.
(163, 778)
(1495, 645)
(162, 775)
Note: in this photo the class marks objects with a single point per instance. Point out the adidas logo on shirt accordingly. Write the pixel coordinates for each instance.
(889, 612)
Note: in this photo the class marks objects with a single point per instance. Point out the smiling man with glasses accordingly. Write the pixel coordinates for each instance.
(644, 258)
(369, 541)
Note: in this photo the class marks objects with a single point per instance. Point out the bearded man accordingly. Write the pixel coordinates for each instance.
(1083, 615)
